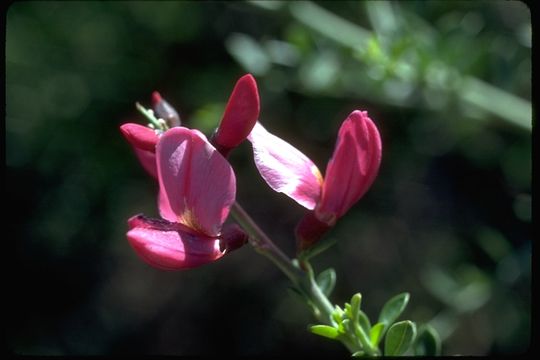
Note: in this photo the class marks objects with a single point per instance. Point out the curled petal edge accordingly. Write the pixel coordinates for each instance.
(171, 246)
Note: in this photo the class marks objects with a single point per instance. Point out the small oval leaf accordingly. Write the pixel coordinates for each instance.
(356, 302)
(364, 322)
(326, 281)
(337, 314)
(346, 326)
(428, 342)
(393, 308)
(399, 338)
(375, 334)
(325, 331)
(348, 312)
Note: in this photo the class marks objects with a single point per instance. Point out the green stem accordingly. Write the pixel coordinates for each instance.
(264, 246)
(304, 280)
(364, 341)
(320, 300)
(149, 115)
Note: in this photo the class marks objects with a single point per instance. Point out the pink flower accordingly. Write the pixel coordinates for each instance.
(349, 173)
(197, 187)
(240, 115)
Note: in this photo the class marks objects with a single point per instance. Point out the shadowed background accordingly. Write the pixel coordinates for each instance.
(448, 218)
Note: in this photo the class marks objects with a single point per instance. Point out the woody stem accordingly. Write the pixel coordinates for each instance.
(302, 279)
(264, 246)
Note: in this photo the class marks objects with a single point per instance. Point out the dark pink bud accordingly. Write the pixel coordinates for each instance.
(352, 168)
(156, 98)
(240, 115)
(164, 110)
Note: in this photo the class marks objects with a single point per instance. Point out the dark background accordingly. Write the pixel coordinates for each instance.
(448, 218)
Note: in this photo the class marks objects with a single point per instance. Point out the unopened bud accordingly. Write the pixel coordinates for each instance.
(240, 115)
(165, 111)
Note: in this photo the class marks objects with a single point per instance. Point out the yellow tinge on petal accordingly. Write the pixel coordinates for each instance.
(188, 219)
(315, 171)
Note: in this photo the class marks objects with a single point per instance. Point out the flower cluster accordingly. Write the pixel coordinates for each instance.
(349, 173)
(197, 185)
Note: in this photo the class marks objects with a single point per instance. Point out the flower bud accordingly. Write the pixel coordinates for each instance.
(240, 115)
(165, 111)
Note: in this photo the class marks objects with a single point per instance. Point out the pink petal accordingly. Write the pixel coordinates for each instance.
(197, 185)
(143, 140)
(171, 246)
(284, 168)
(240, 115)
(352, 168)
(147, 160)
(140, 137)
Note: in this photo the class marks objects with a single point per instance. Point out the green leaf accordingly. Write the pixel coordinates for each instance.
(356, 301)
(325, 331)
(326, 281)
(428, 342)
(364, 322)
(399, 338)
(337, 314)
(341, 328)
(376, 332)
(393, 308)
(348, 312)
(317, 248)
(346, 325)
(358, 354)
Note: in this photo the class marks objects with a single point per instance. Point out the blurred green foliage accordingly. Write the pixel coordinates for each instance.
(448, 219)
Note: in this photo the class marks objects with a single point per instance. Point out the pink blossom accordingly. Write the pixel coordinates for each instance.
(352, 168)
(349, 173)
(240, 115)
(197, 187)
